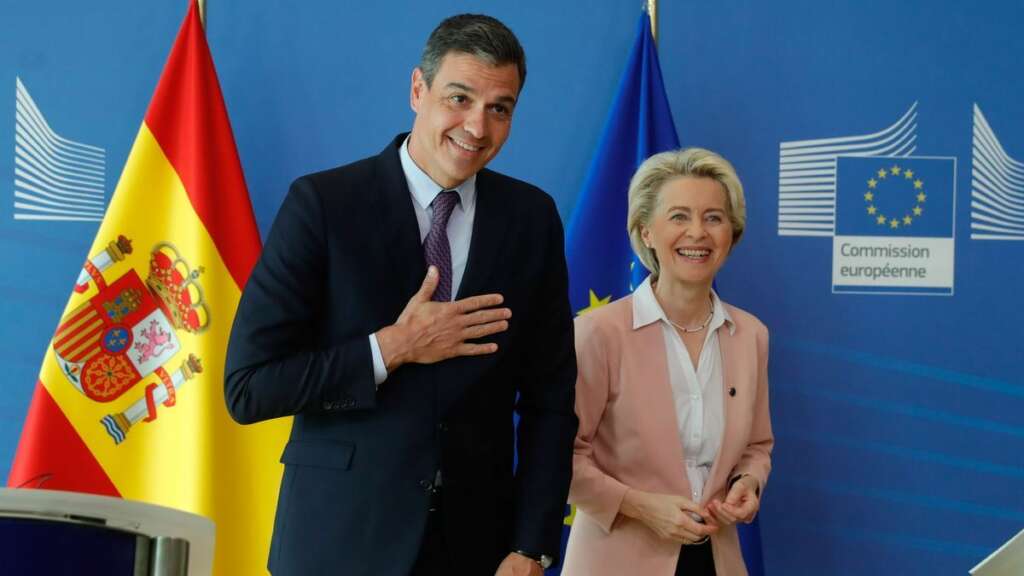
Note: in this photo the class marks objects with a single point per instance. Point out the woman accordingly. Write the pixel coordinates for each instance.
(674, 442)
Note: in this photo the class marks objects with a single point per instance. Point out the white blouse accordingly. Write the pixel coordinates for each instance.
(698, 391)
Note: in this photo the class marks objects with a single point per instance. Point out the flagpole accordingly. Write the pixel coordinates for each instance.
(202, 11)
(652, 11)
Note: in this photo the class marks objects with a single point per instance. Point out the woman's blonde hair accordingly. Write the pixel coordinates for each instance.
(645, 193)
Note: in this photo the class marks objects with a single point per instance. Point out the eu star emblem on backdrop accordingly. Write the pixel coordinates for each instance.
(894, 225)
(602, 266)
(130, 400)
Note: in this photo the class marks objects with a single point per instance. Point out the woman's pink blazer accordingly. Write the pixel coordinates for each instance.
(628, 438)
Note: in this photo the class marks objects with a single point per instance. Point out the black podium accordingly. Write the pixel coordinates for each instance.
(47, 532)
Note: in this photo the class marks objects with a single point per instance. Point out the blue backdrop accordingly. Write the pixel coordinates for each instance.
(898, 415)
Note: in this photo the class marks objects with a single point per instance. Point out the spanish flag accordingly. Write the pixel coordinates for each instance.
(130, 399)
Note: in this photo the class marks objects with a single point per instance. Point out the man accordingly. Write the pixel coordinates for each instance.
(403, 378)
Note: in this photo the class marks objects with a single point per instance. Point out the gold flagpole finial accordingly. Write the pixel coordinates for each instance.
(202, 11)
(652, 11)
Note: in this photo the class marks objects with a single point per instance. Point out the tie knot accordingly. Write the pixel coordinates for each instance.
(443, 205)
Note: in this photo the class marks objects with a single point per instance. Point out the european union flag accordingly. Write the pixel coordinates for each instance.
(602, 266)
(601, 263)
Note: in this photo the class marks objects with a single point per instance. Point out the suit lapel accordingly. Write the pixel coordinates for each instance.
(489, 226)
(403, 264)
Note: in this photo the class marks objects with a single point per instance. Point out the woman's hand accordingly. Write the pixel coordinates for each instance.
(670, 517)
(741, 503)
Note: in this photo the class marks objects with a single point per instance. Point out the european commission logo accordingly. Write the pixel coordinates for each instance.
(894, 225)
(891, 212)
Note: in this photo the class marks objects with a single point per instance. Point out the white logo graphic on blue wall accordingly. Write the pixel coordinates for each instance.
(54, 178)
(997, 186)
(894, 225)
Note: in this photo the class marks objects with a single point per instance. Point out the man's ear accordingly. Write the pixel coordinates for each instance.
(417, 90)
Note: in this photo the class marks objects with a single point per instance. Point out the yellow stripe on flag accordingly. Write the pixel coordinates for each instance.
(192, 456)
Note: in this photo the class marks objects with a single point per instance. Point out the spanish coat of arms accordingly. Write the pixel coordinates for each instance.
(128, 331)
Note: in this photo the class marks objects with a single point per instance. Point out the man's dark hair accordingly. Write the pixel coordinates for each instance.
(480, 36)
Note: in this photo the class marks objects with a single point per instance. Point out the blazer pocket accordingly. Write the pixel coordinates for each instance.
(333, 455)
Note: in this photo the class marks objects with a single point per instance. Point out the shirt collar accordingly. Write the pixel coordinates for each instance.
(646, 309)
(424, 189)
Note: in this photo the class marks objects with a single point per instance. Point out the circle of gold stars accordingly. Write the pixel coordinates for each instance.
(894, 173)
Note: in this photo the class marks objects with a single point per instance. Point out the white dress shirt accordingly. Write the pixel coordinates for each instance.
(423, 190)
(698, 391)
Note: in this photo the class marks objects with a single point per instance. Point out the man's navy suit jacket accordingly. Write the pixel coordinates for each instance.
(341, 261)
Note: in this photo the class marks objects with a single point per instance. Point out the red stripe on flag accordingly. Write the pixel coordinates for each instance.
(188, 119)
(51, 455)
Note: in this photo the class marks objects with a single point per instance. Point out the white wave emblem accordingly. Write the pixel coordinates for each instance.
(54, 178)
(807, 173)
(997, 187)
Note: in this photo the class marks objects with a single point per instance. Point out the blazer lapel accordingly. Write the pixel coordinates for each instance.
(488, 238)
(403, 265)
(728, 347)
(658, 407)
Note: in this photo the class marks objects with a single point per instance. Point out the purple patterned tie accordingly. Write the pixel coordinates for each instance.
(436, 248)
